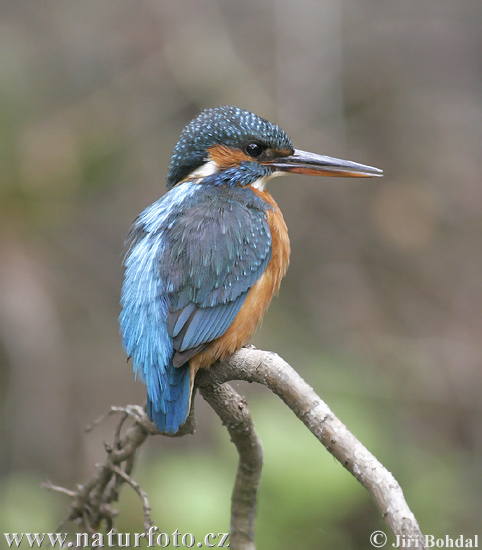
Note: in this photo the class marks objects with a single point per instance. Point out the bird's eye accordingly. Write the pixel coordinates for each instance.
(254, 149)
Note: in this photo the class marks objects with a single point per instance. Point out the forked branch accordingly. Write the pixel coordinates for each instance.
(92, 502)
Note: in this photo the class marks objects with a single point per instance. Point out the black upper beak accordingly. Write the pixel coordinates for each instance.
(302, 162)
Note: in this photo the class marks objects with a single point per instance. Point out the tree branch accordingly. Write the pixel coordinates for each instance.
(234, 414)
(92, 502)
(269, 369)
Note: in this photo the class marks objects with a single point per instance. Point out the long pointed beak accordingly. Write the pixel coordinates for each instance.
(302, 162)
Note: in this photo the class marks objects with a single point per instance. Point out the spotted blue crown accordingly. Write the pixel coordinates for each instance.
(224, 125)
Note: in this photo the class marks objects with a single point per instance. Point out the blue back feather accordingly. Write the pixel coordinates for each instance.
(193, 256)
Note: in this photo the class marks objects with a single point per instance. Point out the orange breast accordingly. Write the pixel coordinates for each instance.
(258, 298)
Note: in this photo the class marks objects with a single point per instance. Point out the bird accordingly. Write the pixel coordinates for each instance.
(203, 262)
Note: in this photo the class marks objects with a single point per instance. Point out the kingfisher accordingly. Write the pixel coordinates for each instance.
(204, 261)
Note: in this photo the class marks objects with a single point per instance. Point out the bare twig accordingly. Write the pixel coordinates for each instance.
(146, 507)
(92, 502)
(51, 487)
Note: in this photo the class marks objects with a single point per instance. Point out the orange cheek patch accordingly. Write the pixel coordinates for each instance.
(225, 157)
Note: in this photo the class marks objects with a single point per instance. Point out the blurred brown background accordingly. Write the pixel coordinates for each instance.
(381, 311)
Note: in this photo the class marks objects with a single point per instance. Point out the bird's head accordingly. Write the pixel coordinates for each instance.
(241, 148)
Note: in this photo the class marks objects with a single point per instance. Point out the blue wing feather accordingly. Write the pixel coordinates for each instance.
(193, 257)
(207, 324)
(178, 319)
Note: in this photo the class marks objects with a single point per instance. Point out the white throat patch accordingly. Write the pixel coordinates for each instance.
(260, 183)
(207, 169)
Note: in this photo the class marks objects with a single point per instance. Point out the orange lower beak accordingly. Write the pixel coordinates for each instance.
(311, 164)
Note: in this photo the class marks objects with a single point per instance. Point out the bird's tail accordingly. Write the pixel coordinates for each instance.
(171, 410)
